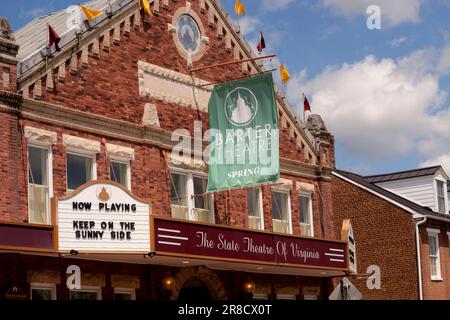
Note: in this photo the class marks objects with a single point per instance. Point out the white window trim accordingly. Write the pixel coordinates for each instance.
(289, 213)
(127, 163)
(120, 152)
(43, 286)
(82, 153)
(129, 291)
(309, 195)
(36, 136)
(82, 145)
(435, 233)
(190, 191)
(98, 290)
(49, 176)
(261, 208)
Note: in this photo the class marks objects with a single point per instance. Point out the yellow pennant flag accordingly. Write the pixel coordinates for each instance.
(90, 14)
(239, 8)
(146, 6)
(285, 76)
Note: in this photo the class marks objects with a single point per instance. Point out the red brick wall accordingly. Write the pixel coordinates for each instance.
(150, 180)
(435, 290)
(109, 86)
(384, 235)
(13, 193)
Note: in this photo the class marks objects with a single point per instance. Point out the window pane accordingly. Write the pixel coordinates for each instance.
(433, 247)
(441, 196)
(79, 171)
(433, 266)
(83, 295)
(38, 185)
(253, 209)
(304, 210)
(178, 190)
(253, 203)
(37, 159)
(279, 205)
(122, 296)
(118, 172)
(441, 203)
(41, 294)
(200, 185)
(37, 204)
(440, 188)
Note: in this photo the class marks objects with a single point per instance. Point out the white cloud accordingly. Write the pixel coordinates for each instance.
(444, 62)
(397, 42)
(381, 108)
(249, 24)
(393, 12)
(443, 160)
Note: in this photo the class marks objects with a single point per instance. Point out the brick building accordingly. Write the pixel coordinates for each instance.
(104, 108)
(393, 215)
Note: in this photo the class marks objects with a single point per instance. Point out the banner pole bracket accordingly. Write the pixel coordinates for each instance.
(224, 64)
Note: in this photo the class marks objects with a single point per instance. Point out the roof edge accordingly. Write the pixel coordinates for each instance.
(389, 196)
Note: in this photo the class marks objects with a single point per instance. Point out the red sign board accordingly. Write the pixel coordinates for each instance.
(26, 236)
(180, 238)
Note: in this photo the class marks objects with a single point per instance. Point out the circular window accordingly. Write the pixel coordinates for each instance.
(188, 33)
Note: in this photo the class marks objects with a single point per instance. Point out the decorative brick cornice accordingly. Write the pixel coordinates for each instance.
(12, 100)
(64, 117)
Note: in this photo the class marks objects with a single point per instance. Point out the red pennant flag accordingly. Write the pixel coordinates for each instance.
(306, 105)
(53, 38)
(261, 44)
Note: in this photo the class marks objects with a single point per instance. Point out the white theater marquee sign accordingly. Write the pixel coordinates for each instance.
(102, 216)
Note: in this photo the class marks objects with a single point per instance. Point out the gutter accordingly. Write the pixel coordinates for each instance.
(419, 259)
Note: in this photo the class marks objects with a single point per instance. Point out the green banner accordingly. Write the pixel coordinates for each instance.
(243, 120)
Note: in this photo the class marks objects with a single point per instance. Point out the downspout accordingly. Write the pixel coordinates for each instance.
(419, 260)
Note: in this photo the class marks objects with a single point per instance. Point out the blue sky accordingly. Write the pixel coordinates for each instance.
(382, 93)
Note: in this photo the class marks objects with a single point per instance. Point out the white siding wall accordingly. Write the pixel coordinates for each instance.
(420, 190)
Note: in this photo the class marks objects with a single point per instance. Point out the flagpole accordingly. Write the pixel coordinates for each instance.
(218, 65)
(304, 112)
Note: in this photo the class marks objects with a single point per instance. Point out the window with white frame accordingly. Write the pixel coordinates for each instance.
(119, 171)
(42, 291)
(260, 296)
(124, 294)
(281, 212)
(254, 209)
(80, 169)
(286, 297)
(88, 293)
(441, 193)
(188, 197)
(435, 261)
(306, 218)
(39, 184)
